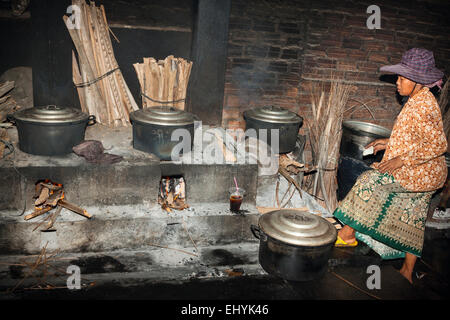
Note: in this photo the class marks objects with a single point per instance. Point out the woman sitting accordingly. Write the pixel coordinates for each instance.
(387, 206)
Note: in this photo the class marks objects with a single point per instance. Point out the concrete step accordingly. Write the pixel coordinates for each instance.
(128, 227)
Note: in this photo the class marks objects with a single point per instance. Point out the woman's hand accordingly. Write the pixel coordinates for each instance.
(378, 145)
(390, 166)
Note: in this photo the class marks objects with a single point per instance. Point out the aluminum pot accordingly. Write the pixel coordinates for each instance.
(270, 117)
(50, 130)
(153, 128)
(294, 245)
(356, 135)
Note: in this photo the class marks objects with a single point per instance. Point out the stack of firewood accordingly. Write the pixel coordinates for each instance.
(7, 106)
(7, 103)
(101, 87)
(163, 82)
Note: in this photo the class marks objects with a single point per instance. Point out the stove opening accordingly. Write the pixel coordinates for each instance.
(172, 193)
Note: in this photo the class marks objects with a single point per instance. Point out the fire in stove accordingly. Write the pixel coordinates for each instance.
(172, 193)
(49, 195)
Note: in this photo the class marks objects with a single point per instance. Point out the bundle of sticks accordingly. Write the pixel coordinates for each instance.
(48, 196)
(325, 131)
(163, 82)
(102, 90)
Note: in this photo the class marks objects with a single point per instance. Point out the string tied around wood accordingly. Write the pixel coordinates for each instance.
(162, 102)
(88, 83)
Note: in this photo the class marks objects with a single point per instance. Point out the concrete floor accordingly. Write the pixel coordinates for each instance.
(232, 272)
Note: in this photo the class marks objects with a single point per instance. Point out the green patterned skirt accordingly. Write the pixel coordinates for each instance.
(385, 216)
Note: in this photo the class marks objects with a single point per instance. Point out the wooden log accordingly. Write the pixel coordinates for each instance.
(43, 196)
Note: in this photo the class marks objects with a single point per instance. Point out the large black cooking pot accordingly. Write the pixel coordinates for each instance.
(356, 135)
(50, 130)
(270, 117)
(294, 245)
(153, 128)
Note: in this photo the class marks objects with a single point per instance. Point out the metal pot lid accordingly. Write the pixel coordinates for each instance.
(273, 114)
(163, 116)
(298, 227)
(51, 114)
(366, 129)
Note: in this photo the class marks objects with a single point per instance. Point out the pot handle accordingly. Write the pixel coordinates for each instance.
(258, 233)
(11, 118)
(93, 119)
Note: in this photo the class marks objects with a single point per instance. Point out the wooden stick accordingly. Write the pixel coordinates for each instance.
(53, 219)
(354, 286)
(185, 228)
(46, 218)
(74, 208)
(38, 213)
(183, 251)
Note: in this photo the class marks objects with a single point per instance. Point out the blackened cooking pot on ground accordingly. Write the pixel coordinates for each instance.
(270, 117)
(153, 128)
(50, 130)
(294, 245)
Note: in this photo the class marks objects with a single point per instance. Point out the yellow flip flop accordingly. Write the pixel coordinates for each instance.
(341, 243)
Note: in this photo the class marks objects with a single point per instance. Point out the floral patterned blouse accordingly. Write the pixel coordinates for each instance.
(418, 138)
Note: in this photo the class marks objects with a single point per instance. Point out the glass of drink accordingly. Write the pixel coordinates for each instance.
(236, 197)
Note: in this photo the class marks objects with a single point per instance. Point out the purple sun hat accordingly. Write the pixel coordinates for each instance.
(417, 65)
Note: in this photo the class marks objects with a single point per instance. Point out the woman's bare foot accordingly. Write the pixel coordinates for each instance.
(406, 273)
(408, 266)
(347, 234)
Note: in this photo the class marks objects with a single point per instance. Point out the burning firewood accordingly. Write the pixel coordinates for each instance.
(43, 196)
(172, 194)
(50, 195)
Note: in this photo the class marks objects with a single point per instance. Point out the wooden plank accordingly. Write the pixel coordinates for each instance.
(76, 76)
(5, 87)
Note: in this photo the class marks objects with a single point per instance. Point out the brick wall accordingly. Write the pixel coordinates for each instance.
(277, 48)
